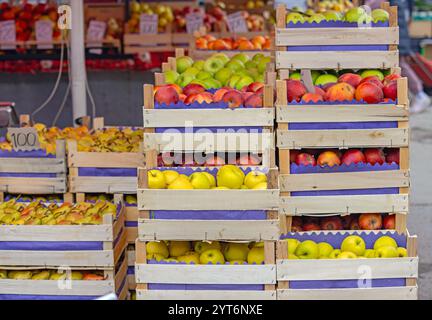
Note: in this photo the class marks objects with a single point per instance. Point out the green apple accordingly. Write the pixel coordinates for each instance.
(243, 73)
(230, 176)
(183, 63)
(223, 75)
(184, 79)
(295, 76)
(347, 255)
(317, 18)
(199, 181)
(250, 65)
(387, 252)
(292, 245)
(213, 256)
(257, 57)
(385, 241)
(191, 70)
(295, 17)
(402, 252)
(368, 73)
(355, 14)
(234, 65)
(242, 57)
(370, 253)
(171, 76)
(380, 15)
(198, 81)
(244, 81)
(211, 83)
(324, 79)
(256, 255)
(334, 254)
(315, 74)
(213, 65)
(307, 250)
(199, 64)
(260, 78)
(222, 56)
(354, 244)
(308, 11)
(236, 251)
(201, 246)
(325, 249)
(332, 16)
(233, 80)
(262, 64)
(203, 75)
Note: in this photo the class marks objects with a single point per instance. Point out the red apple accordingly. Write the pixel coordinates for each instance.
(312, 97)
(293, 155)
(248, 160)
(295, 90)
(372, 79)
(254, 101)
(331, 223)
(193, 88)
(329, 158)
(305, 159)
(392, 155)
(354, 225)
(389, 221)
(218, 95)
(310, 226)
(390, 78)
(350, 78)
(370, 221)
(255, 86)
(233, 98)
(346, 221)
(390, 90)
(353, 156)
(374, 155)
(369, 92)
(166, 95)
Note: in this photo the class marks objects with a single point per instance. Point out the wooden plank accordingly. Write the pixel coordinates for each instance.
(209, 142)
(33, 185)
(344, 180)
(56, 233)
(349, 204)
(94, 258)
(205, 295)
(337, 59)
(141, 40)
(57, 288)
(131, 213)
(32, 165)
(251, 230)
(204, 54)
(345, 269)
(205, 274)
(164, 199)
(386, 293)
(365, 138)
(106, 160)
(159, 118)
(340, 113)
(131, 234)
(130, 257)
(103, 184)
(336, 36)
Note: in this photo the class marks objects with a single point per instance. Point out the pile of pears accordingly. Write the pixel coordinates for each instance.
(48, 274)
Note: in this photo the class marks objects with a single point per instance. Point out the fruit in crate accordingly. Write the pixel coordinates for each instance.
(242, 43)
(164, 12)
(51, 274)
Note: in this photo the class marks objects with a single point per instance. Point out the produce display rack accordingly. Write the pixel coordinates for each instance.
(339, 279)
(337, 47)
(81, 184)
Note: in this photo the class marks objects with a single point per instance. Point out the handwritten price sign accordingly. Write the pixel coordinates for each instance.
(44, 34)
(148, 24)
(96, 32)
(194, 21)
(7, 34)
(236, 22)
(24, 139)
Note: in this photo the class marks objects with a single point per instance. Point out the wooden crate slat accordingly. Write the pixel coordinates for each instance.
(386, 293)
(36, 185)
(155, 118)
(164, 199)
(345, 269)
(106, 160)
(294, 139)
(32, 165)
(337, 59)
(336, 36)
(103, 184)
(205, 295)
(204, 54)
(143, 40)
(205, 274)
(344, 180)
(251, 230)
(349, 204)
(131, 257)
(340, 113)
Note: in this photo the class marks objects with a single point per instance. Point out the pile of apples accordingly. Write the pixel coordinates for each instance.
(353, 15)
(171, 159)
(352, 247)
(164, 12)
(200, 252)
(351, 156)
(368, 86)
(209, 42)
(228, 177)
(48, 274)
(334, 5)
(364, 221)
(218, 71)
(13, 212)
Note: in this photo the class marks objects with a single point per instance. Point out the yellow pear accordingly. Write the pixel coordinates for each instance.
(179, 248)
(156, 179)
(230, 176)
(236, 251)
(256, 255)
(213, 256)
(211, 178)
(160, 247)
(181, 183)
(201, 246)
(189, 257)
(170, 176)
(155, 256)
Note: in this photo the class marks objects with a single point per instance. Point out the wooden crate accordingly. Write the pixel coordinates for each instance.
(290, 271)
(101, 184)
(362, 138)
(340, 37)
(102, 245)
(131, 218)
(35, 185)
(131, 266)
(150, 274)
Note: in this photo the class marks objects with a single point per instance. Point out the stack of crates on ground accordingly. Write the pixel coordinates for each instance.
(322, 196)
(173, 217)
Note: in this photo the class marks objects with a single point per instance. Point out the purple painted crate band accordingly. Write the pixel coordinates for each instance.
(354, 47)
(351, 192)
(43, 297)
(28, 175)
(131, 270)
(52, 246)
(342, 125)
(116, 240)
(131, 224)
(211, 129)
(339, 284)
(153, 261)
(164, 286)
(195, 105)
(209, 214)
(353, 167)
(335, 24)
(130, 204)
(335, 239)
(119, 290)
(25, 154)
(107, 172)
(353, 102)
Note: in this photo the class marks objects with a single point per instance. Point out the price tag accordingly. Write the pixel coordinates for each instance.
(7, 34)
(24, 139)
(44, 34)
(148, 24)
(236, 22)
(96, 32)
(194, 21)
(306, 77)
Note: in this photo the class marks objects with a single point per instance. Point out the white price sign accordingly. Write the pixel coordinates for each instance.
(7, 35)
(194, 21)
(24, 139)
(236, 22)
(96, 32)
(148, 24)
(44, 34)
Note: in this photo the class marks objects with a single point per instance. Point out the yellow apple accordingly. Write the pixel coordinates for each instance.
(354, 244)
(256, 255)
(201, 246)
(178, 248)
(347, 255)
(258, 245)
(236, 251)
(181, 183)
(253, 178)
(155, 256)
(292, 245)
(385, 241)
(170, 176)
(370, 253)
(402, 252)
(387, 252)
(213, 256)
(41, 275)
(230, 176)
(157, 247)
(3, 274)
(324, 249)
(260, 186)
(77, 275)
(156, 179)
(220, 188)
(199, 180)
(307, 250)
(243, 187)
(189, 257)
(292, 256)
(334, 254)
(211, 178)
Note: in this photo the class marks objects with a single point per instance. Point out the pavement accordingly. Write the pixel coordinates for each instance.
(420, 215)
